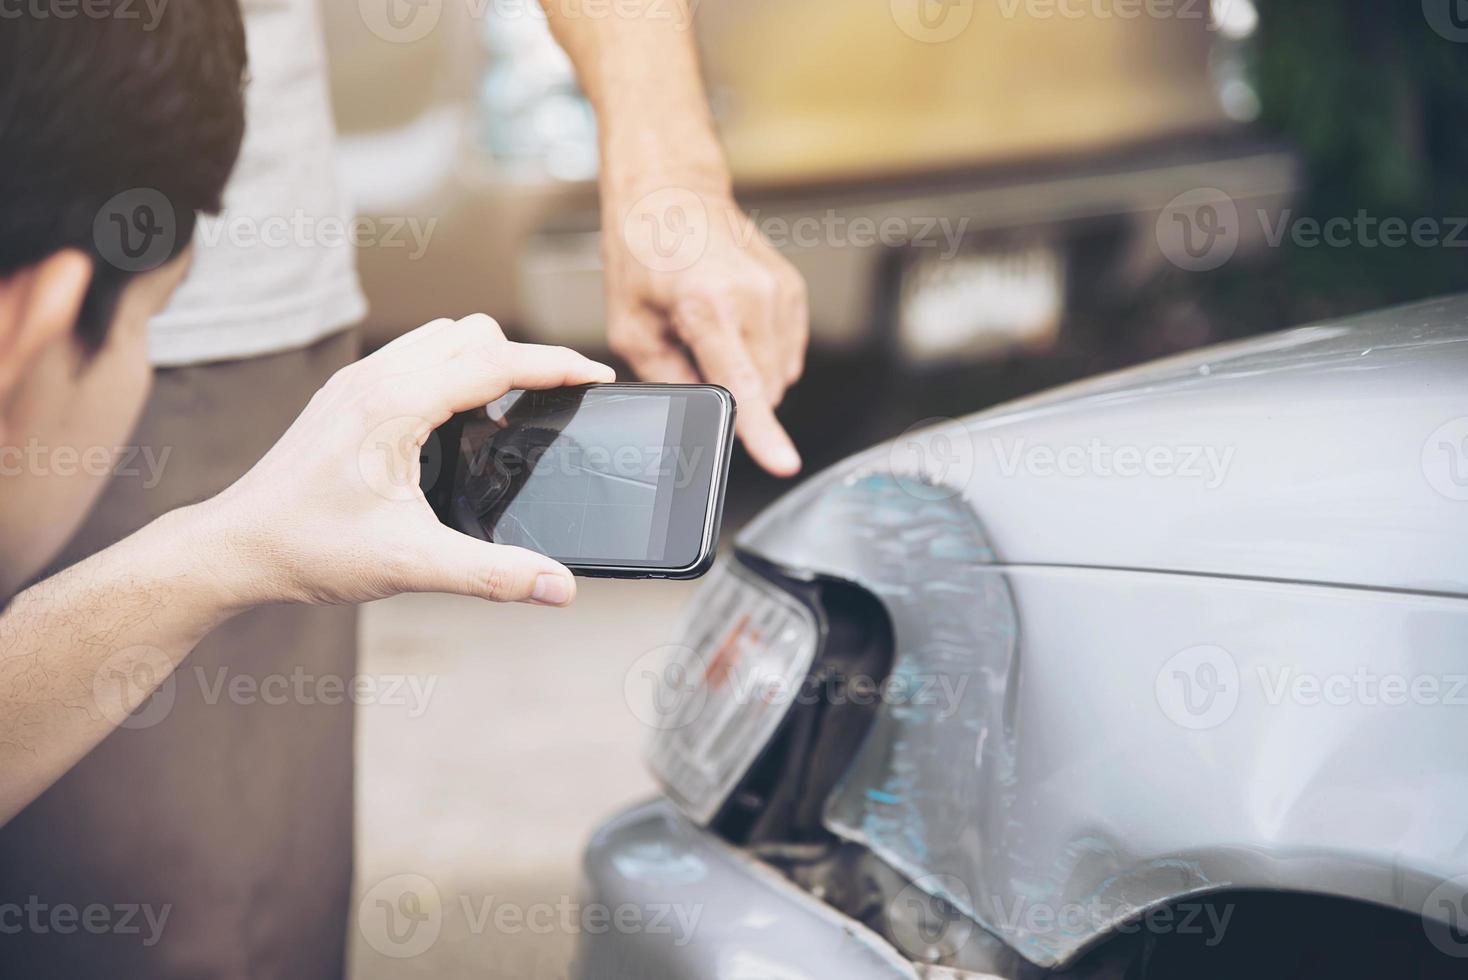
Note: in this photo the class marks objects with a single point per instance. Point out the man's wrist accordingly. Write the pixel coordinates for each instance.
(634, 169)
(210, 561)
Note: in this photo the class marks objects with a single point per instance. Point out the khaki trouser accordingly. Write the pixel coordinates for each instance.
(212, 837)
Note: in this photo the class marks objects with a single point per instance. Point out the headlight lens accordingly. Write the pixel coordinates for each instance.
(747, 647)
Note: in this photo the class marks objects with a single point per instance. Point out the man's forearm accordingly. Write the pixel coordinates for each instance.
(81, 650)
(638, 64)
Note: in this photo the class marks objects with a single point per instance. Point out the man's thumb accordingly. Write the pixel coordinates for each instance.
(500, 573)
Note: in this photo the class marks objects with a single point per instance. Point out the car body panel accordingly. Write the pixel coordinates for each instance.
(1333, 453)
(1077, 759)
(740, 920)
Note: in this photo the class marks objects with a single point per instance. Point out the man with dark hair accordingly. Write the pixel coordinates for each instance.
(61, 168)
(153, 825)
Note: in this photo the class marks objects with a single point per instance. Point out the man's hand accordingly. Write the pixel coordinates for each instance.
(695, 293)
(333, 513)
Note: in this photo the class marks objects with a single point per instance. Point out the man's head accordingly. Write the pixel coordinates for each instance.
(116, 131)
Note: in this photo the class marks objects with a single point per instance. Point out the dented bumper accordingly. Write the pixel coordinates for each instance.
(704, 910)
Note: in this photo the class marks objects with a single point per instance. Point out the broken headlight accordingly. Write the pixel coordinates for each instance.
(720, 695)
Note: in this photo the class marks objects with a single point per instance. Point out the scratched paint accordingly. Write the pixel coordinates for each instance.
(1060, 780)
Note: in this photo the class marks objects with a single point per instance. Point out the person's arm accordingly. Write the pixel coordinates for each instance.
(80, 651)
(694, 291)
(331, 515)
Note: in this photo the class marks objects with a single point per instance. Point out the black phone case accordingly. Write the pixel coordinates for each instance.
(439, 463)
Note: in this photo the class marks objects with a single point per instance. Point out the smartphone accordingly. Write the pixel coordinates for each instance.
(613, 481)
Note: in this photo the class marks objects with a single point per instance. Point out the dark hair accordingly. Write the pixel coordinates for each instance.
(115, 114)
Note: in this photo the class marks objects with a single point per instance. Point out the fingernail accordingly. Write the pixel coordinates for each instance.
(551, 590)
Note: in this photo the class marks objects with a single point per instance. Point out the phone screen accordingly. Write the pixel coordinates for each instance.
(604, 475)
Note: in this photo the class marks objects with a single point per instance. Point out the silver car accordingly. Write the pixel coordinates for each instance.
(1163, 674)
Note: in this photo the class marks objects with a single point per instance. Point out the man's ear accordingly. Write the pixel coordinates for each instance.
(39, 306)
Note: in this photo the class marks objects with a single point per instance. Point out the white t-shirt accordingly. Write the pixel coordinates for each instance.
(277, 269)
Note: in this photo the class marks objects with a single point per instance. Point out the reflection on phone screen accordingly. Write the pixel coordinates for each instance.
(582, 475)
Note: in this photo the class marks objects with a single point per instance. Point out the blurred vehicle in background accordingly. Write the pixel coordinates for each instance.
(1154, 676)
(974, 200)
(950, 187)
